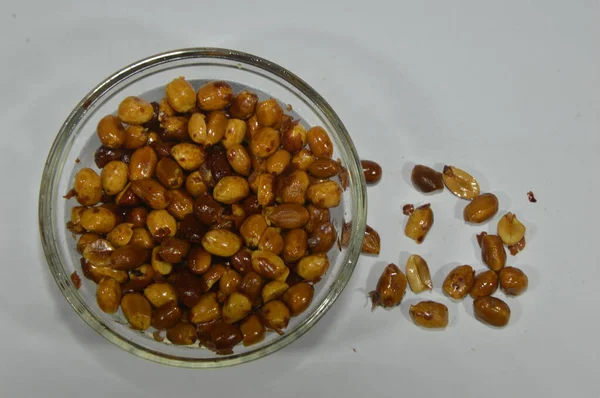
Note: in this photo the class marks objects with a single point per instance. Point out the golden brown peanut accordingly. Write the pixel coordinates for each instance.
(481, 208)
(429, 314)
(134, 110)
(128, 257)
(137, 311)
(417, 274)
(253, 330)
(323, 238)
(460, 183)
(197, 128)
(188, 156)
(390, 288)
(120, 235)
(236, 307)
(313, 267)
(221, 242)
(243, 105)
(459, 282)
(182, 334)
(371, 170)
(316, 217)
(275, 315)
(161, 224)
(298, 297)
(98, 219)
(273, 290)
(271, 240)
(294, 139)
(166, 316)
(419, 223)
(195, 185)
(108, 295)
(214, 96)
(492, 311)
(295, 245)
(252, 127)
(492, 252)
(325, 194)
(85, 240)
(485, 284)
(230, 282)
(158, 264)
(174, 250)
(303, 159)
(235, 132)
(75, 224)
(238, 215)
(426, 179)
(199, 260)
(139, 279)
(216, 125)
(135, 137)
(111, 132)
(152, 193)
(169, 173)
(265, 189)
(181, 95)
(324, 168)
(269, 265)
(287, 215)
(175, 128)
(143, 163)
(181, 204)
(252, 285)
(114, 177)
(97, 273)
(268, 112)
(141, 238)
(207, 309)
(252, 229)
(371, 243)
(231, 189)
(510, 229)
(239, 159)
(88, 187)
(319, 142)
(265, 142)
(165, 110)
(98, 253)
(127, 198)
(513, 281)
(278, 162)
(159, 294)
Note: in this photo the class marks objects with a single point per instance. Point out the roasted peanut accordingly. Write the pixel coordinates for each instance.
(295, 245)
(188, 156)
(429, 314)
(481, 208)
(239, 159)
(460, 183)
(485, 284)
(175, 128)
(134, 110)
(114, 177)
(214, 96)
(231, 189)
(324, 168)
(85, 240)
(269, 265)
(181, 204)
(371, 243)
(417, 274)
(169, 173)
(188, 286)
(98, 253)
(219, 166)
(158, 264)
(273, 290)
(230, 282)
(252, 285)
(182, 334)
(492, 252)
(97, 273)
(517, 247)
(208, 210)
(159, 294)
(197, 128)
(252, 126)
(303, 159)
(128, 257)
(88, 187)
(137, 311)
(120, 235)
(75, 224)
(513, 281)
(152, 193)
(243, 105)
(292, 188)
(253, 330)
(278, 162)
(236, 307)
(492, 311)
(223, 337)
(141, 238)
(271, 240)
(323, 238)
(426, 179)
(419, 223)
(242, 261)
(111, 132)
(221, 242)
(391, 287)
(161, 224)
(319, 142)
(98, 219)
(265, 142)
(135, 137)
(371, 170)
(287, 215)
(268, 112)
(294, 139)
(459, 282)
(252, 229)
(137, 217)
(181, 95)
(316, 217)
(298, 297)
(325, 194)
(166, 316)
(195, 185)
(199, 260)
(127, 198)
(139, 278)
(275, 315)
(216, 125)
(104, 155)
(212, 276)
(313, 267)
(165, 110)
(510, 229)
(108, 295)
(174, 250)
(207, 309)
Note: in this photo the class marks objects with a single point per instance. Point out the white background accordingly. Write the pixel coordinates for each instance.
(509, 90)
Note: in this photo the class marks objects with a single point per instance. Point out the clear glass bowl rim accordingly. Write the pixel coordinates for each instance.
(64, 140)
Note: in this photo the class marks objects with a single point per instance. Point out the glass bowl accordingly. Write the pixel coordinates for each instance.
(74, 149)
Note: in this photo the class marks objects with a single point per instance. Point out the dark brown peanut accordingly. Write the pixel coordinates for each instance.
(371, 170)
(169, 173)
(294, 139)
(243, 105)
(166, 316)
(223, 337)
(326, 168)
(391, 287)
(174, 250)
(182, 334)
(253, 330)
(199, 260)
(492, 252)
(269, 265)
(191, 229)
(152, 193)
(181, 204)
(298, 297)
(323, 238)
(492, 311)
(426, 179)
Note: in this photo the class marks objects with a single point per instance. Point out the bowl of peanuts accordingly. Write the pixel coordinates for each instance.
(202, 208)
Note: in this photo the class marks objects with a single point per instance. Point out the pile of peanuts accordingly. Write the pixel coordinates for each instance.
(461, 280)
(210, 216)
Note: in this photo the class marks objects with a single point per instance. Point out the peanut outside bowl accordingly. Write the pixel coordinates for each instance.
(77, 140)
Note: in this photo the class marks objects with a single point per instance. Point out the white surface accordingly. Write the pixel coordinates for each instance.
(508, 90)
